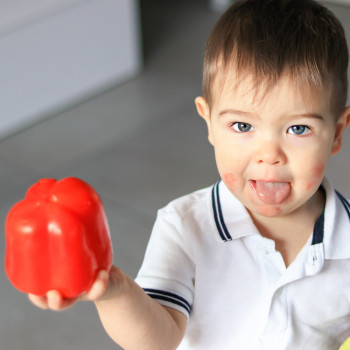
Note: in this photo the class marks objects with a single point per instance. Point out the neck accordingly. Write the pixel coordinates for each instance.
(291, 232)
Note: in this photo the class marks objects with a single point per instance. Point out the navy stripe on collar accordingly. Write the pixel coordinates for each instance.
(318, 233)
(344, 202)
(218, 217)
(318, 230)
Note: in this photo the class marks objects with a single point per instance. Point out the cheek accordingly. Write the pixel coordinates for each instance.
(318, 170)
(317, 174)
(230, 180)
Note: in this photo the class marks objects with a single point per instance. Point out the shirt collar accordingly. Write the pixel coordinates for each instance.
(336, 224)
(231, 220)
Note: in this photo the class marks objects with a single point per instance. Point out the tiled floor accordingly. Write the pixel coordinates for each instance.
(140, 145)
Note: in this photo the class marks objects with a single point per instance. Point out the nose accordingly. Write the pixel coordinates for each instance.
(270, 152)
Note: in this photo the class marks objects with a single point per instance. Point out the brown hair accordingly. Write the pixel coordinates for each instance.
(268, 38)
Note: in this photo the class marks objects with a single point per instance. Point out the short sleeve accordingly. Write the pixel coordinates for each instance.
(167, 272)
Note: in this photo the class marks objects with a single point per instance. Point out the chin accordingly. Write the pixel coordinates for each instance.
(269, 211)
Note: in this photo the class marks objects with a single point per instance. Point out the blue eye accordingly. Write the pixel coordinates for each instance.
(298, 130)
(242, 127)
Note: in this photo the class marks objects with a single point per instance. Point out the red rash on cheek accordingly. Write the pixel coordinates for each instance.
(317, 172)
(230, 181)
(309, 185)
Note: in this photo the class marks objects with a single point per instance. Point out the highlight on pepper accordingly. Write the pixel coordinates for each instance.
(57, 238)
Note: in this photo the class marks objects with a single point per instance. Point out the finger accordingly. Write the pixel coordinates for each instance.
(56, 302)
(38, 301)
(98, 289)
(52, 300)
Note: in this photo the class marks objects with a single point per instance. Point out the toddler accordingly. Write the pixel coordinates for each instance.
(261, 259)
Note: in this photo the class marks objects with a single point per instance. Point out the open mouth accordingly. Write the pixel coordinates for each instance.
(271, 192)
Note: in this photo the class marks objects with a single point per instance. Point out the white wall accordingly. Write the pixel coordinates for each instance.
(341, 2)
(18, 13)
(220, 5)
(62, 53)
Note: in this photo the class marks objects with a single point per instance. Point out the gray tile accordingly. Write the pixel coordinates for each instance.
(130, 234)
(30, 328)
(14, 174)
(115, 115)
(170, 160)
(23, 326)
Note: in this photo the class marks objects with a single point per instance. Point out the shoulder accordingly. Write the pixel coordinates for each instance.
(343, 206)
(187, 219)
(336, 226)
(189, 205)
(335, 200)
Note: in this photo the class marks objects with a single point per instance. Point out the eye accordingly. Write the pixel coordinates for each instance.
(298, 130)
(242, 127)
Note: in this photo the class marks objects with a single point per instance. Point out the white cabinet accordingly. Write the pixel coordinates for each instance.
(55, 53)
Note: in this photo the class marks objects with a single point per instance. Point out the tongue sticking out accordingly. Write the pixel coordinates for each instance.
(272, 192)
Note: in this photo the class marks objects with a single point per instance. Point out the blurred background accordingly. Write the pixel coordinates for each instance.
(104, 90)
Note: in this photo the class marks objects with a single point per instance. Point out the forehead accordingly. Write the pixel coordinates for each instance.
(247, 89)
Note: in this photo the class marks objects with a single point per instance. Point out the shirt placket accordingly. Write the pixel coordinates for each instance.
(275, 332)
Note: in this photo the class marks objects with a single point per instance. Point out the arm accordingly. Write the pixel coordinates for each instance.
(131, 318)
(136, 321)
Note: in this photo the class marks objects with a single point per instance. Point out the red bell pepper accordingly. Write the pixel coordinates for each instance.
(57, 238)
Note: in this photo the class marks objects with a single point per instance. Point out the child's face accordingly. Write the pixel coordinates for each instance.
(271, 151)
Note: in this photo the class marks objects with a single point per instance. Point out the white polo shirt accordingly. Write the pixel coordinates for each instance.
(207, 259)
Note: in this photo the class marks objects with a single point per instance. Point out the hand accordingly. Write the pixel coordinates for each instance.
(54, 300)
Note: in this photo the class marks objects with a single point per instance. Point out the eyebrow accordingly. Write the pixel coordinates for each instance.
(235, 111)
(243, 113)
(311, 115)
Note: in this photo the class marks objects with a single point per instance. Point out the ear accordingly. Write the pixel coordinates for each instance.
(342, 124)
(204, 111)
